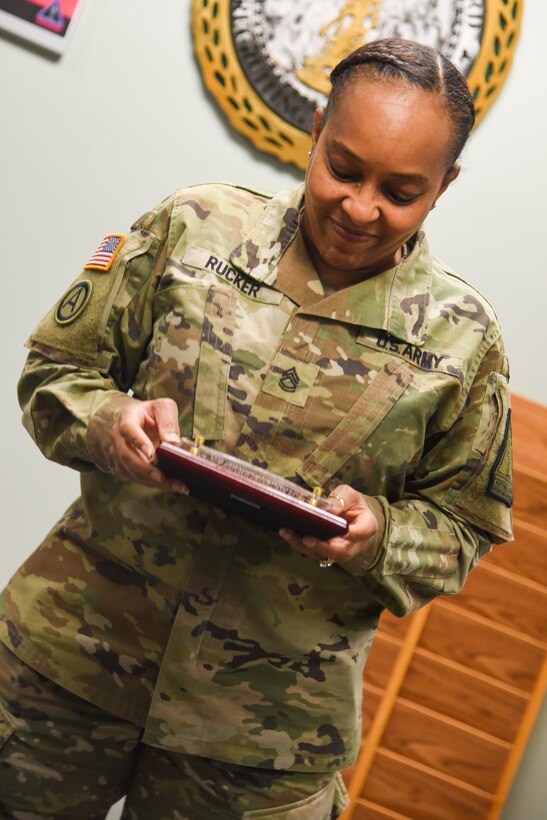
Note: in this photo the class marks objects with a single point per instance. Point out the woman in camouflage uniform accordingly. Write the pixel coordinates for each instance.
(157, 647)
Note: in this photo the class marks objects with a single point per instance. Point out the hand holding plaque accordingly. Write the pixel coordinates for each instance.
(249, 491)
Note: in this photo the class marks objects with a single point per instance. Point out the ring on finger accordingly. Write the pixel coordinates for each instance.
(325, 563)
(339, 499)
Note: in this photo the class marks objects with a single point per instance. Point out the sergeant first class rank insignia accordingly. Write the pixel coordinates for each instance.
(267, 62)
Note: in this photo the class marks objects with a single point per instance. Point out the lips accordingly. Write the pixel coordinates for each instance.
(350, 234)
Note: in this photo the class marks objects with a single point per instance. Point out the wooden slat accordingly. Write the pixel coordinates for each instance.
(463, 696)
(365, 810)
(392, 625)
(529, 582)
(421, 794)
(529, 434)
(369, 749)
(506, 601)
(484, 620)
(451, 634)
(347, 775)
(380, 661)
(526, 555)
(445, 747)
(475, 673)
(371, 702)
(530, 499)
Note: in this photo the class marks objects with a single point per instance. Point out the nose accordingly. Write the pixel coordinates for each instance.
(361, 205)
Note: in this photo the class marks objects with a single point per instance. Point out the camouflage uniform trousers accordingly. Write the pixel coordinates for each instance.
(62, 757)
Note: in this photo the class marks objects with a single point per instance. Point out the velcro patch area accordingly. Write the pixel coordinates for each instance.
(500, 483)
(290, 380)
(104, 256)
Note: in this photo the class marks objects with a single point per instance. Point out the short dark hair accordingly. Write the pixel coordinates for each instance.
(393, 58)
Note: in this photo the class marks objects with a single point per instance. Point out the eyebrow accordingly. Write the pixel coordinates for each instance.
(412, 178)
(419, 178)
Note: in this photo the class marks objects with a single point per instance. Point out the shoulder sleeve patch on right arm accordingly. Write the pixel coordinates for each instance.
(486, 496)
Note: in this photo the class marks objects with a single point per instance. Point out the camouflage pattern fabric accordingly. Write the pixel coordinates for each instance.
(210, 633)
(194, 788)
(61, 757)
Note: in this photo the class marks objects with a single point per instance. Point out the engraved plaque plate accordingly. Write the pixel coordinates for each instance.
(251, 492)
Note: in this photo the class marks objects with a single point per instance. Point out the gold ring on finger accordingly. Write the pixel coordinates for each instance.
(339, 499)
(325, 563)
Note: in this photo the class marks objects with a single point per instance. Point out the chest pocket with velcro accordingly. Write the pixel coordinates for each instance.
(367, 412)
(215, 358)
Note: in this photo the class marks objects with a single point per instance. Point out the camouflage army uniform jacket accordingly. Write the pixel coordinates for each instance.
(209, 632)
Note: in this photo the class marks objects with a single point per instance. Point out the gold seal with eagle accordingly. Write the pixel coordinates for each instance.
(267, 62)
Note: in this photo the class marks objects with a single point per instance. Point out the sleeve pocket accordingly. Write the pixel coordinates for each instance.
(485, 496)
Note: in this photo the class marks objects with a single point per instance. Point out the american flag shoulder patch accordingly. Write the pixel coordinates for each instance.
(104, 256)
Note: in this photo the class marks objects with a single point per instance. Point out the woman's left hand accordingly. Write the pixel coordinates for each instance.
(363, 526)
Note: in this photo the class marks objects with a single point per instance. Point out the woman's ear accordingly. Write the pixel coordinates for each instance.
(450, 176)
(318, 122)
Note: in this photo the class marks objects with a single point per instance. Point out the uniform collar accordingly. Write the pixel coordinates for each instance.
(408, 308)
(396, 300)
(259, 252)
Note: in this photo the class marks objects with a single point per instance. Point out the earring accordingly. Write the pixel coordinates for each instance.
(309, 153)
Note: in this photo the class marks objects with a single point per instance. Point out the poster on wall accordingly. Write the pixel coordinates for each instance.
(48, 23)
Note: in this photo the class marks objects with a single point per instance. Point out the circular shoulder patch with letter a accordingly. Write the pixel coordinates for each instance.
(73, 302)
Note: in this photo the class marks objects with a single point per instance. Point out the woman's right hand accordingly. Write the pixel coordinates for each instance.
(137, 431)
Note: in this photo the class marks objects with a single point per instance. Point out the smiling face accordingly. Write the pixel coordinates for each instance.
(378, 165)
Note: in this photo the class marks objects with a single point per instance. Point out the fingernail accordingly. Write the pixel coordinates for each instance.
(309, 542)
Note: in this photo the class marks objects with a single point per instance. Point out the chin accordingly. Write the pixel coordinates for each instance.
(345, 262)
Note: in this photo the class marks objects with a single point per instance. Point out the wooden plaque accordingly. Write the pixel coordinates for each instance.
(251, 492)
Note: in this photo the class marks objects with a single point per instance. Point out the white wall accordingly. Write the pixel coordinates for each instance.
(90, 141)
